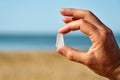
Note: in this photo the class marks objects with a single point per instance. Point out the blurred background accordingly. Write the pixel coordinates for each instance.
(28, 30)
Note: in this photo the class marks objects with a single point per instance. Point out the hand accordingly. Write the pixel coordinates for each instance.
(103, 57)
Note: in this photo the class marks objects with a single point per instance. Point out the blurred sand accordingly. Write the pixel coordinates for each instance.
(42, 66)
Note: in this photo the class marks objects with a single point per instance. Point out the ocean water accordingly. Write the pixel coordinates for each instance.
(43, 42)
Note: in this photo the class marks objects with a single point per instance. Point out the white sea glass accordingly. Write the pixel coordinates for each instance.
(60, 40)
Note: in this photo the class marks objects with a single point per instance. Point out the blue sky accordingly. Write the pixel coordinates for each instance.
(42, 16)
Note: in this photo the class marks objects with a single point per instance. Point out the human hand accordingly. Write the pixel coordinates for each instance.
(103, 57)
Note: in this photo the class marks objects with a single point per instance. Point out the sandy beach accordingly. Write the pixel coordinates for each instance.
(37, 65)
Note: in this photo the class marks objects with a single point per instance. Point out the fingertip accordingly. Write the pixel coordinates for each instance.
(61, 50)
(58, 49)
(67, 19)
(64, 30)
(60, 31)
(62, 10)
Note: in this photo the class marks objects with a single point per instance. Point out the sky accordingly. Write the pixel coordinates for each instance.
(43, 17)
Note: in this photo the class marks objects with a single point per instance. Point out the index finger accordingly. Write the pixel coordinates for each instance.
(82, 25)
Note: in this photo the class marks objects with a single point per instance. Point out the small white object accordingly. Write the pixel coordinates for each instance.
(60, 40)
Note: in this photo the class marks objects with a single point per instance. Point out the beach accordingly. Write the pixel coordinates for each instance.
(42, 65)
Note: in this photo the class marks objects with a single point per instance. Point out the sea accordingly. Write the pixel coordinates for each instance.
(43, 42)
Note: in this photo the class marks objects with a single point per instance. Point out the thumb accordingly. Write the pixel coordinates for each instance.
(72, 54)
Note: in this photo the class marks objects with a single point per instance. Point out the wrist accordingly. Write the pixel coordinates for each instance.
(115, 74)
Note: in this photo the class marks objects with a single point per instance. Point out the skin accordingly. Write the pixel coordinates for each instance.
(103, 57)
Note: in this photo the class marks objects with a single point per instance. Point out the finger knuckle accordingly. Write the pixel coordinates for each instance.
(69, 55)
(105, 35)
(88, 12)
(75, 13)
(81, 21)
(88, 62)
(106, 32)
